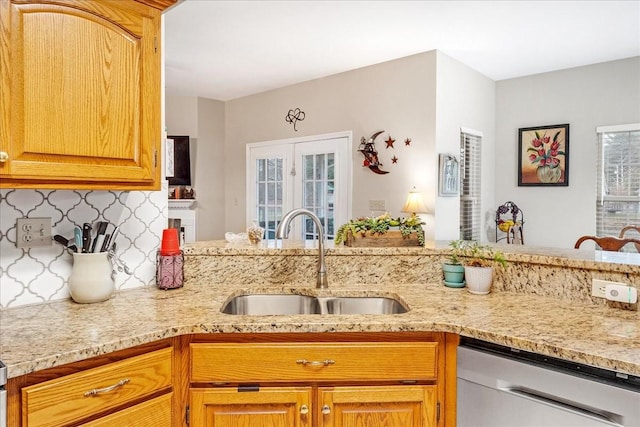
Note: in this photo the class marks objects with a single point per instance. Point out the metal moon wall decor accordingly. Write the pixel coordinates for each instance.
(294, 116)
(368, 149)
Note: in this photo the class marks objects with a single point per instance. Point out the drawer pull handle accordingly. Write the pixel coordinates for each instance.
(97, 391)
(304, 410)
(313, 363)
(326, 410)
(4, 156)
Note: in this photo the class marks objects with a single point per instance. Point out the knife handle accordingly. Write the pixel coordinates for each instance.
(86, 237)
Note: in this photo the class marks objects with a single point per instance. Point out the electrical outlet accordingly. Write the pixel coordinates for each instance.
(33, 232)
(377, 205)
(599, 286)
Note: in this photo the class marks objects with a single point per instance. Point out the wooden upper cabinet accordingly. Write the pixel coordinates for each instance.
(80, 97)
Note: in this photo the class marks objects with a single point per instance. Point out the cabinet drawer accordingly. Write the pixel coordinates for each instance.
(152, 413)
(313, 361)
(70, 398)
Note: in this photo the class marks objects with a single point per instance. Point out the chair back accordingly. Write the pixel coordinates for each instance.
(607, 243)
(631, 228)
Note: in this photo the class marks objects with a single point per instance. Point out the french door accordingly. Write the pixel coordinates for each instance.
(313, 173)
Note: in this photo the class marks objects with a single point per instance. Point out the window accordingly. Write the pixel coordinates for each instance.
(470, 215)
(618, 182)
(313, 173)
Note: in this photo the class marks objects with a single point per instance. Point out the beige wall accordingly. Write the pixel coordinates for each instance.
(397, 96)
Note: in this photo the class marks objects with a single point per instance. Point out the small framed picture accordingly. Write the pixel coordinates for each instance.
(448, 176)
(543, 156)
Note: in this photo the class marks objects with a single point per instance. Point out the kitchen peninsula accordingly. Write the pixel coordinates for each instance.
(540, 303)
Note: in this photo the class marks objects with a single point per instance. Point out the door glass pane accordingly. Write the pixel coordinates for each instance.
(308, 167)
(330, 166)
(320, 166)
(261, 169)
(279, 193)
(261, 193)
(271, 169)
(319, 196)
(308, 194)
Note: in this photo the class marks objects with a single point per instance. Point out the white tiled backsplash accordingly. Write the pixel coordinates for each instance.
(37, 275)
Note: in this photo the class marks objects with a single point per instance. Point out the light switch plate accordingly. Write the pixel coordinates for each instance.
(377, 205)
(33, 232)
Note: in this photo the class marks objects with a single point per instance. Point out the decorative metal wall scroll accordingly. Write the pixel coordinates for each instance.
(295, 116)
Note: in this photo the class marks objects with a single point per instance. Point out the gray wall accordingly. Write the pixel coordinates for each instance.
(465, 98)
(585, 97)
(203, 120)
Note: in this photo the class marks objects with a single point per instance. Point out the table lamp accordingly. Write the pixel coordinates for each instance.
(414, 204)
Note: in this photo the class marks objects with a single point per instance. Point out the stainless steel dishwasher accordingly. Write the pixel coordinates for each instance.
(504, 387)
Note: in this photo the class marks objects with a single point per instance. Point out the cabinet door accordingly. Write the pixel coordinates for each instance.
(81, 94)
(383, 406)
(270, 406)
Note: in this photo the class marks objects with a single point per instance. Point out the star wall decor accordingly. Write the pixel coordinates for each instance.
(394, 159)
(390, 142)
(407, 142)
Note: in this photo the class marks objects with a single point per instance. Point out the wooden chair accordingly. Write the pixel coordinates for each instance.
(630, 228)
(608, 243)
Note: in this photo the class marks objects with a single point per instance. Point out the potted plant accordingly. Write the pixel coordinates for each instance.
(377, 231)
(453, 268)
(478, 269)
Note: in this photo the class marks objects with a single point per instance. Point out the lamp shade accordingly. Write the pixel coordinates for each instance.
(414, 203)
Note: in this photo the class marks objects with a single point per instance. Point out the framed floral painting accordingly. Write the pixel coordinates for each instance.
(543, 156)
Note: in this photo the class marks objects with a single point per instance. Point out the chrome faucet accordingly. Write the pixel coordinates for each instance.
(283, 233)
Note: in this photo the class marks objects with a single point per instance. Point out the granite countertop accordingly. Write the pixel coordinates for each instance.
(623, 262)
(42, 336)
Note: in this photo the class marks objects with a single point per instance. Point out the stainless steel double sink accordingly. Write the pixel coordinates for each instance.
(290, 304)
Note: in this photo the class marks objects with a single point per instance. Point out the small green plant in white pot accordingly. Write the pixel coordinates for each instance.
(478, 269)
(452, 268)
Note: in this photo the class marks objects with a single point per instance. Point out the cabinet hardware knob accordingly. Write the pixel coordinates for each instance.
(97, 391)
(315, 363)
(304, 410)
(326, 410)
(4, 156)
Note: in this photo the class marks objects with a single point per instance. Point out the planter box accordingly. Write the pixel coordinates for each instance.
(391, 238)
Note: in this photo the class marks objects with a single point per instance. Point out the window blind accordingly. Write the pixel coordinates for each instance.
(618, 180)
(470, 175)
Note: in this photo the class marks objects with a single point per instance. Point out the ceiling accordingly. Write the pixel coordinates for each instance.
(229, 49)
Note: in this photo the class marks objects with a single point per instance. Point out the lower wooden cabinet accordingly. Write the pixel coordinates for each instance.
(384, 406)
(270, 406)
(316, 384)
(388, 406)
